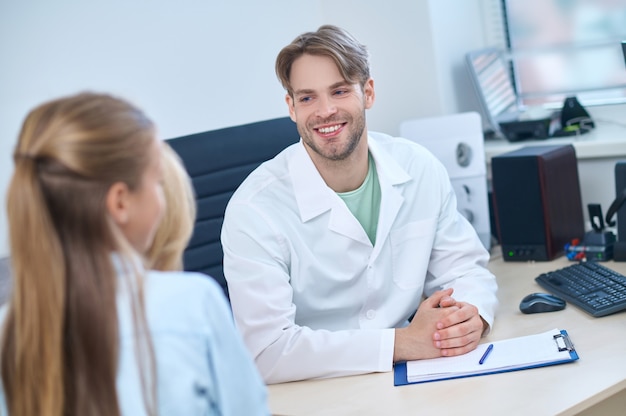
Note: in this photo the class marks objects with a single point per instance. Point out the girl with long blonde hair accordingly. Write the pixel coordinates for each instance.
(87, 330)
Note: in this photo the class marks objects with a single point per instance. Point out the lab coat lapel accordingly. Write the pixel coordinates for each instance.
(390, 176)
(343, 222)
(314, 198)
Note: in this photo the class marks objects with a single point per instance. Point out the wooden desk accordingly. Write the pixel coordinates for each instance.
(558, 390)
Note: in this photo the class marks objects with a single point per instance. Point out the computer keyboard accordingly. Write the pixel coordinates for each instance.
(594, 288)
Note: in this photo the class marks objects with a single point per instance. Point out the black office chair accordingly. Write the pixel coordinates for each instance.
(218, 161)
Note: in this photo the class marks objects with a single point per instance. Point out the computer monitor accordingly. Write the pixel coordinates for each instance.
(494, 86)
(490, 72)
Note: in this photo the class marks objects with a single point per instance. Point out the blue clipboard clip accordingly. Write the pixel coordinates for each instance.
(563, 342)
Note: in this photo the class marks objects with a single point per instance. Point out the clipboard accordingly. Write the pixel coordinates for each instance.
(522, 353)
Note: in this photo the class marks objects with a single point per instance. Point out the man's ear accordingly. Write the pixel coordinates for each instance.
(292, 110)
(118, 204)
(368, 92)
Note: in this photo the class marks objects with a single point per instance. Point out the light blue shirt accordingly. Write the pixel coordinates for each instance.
(202, 365)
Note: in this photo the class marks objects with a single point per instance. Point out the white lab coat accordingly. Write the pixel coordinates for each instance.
(311, 295)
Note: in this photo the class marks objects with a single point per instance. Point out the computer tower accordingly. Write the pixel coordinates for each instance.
(537, 201)
(457, 141)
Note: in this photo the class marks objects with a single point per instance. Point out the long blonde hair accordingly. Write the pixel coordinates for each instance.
(176, 227)
(60, 340)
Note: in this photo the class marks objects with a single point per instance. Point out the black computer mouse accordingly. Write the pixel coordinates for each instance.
(541, 302)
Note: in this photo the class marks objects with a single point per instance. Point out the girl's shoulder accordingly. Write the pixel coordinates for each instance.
(186, 299)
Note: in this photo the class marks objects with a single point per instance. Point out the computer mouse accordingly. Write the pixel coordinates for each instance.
(541, 302)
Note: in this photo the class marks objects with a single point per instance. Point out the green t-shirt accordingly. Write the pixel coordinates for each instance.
(364, 202)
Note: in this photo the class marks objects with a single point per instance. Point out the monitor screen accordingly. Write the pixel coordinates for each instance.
(490, 74)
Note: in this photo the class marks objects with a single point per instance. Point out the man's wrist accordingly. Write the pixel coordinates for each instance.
(398, 345)
(485, 327)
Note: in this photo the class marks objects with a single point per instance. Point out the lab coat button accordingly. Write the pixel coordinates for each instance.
(370, 314)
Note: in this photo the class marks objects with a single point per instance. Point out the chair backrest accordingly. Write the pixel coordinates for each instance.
(218, 161)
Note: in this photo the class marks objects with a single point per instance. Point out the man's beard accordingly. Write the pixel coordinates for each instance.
(335, 153)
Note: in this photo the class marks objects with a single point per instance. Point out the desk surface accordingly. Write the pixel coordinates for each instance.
(558, 390)
(607, 140)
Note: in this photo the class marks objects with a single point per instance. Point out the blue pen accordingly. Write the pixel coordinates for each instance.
(486, 354)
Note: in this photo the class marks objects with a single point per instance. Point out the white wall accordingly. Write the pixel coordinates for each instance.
(197, 65)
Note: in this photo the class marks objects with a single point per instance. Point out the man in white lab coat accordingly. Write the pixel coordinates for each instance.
(331, 247)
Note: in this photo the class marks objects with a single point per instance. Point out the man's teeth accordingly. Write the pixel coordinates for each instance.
(326, 130)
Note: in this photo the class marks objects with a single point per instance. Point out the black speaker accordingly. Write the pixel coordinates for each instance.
(619, 208)
(537, 201)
